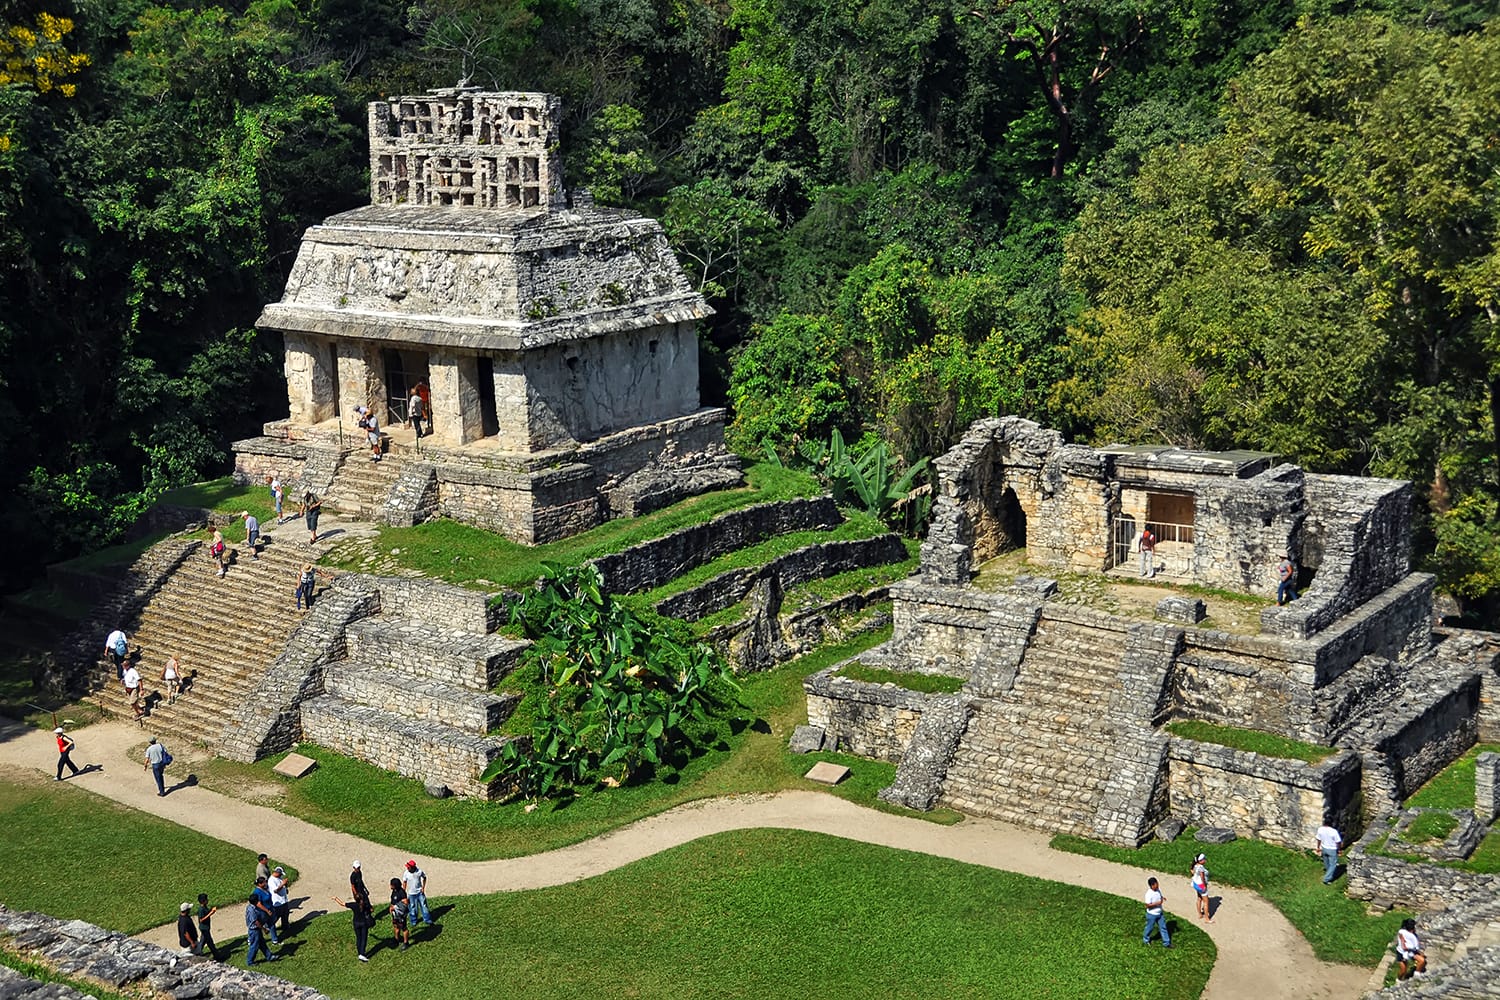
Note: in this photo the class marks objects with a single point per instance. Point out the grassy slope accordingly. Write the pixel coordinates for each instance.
(762, 913)
(1266, 744)
(74, 854)
(458, 553)
(1336, 926)
(356, 798)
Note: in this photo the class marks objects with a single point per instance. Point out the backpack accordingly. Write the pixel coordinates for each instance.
(119, 647)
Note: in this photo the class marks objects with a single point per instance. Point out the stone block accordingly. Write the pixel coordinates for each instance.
(1215, 835)
(1041, 586)
(295, 765)
(1487, 787)
(1186, 610)
(1170, 829)
(437, 791)
(807, 739)
(826, 773)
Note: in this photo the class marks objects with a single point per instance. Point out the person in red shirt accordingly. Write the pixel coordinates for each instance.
(64, 751)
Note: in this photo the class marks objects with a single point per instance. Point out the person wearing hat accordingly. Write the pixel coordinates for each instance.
(1200, 886)
(187, 934)
(157, 760)
(415, 880)
(64, 751)
(281, 897)
(357, 883)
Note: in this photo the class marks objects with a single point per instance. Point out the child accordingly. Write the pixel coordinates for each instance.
(399, 913)
(277, 495)
(171, 679)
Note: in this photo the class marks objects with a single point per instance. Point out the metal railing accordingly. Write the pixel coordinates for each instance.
(1165, 531)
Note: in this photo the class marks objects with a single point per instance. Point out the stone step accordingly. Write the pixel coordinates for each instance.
(418, 697)
(427, 751)
(416, 649)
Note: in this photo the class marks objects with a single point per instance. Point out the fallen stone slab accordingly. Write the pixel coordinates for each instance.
(827, 774)
(295, 765)
(1170, 829)
(807, 739)
(1215, 835)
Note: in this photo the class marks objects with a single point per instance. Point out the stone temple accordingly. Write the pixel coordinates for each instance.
(555, 340)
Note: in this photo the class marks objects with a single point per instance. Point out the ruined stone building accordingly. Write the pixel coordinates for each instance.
(1060, 720)
(555, 340)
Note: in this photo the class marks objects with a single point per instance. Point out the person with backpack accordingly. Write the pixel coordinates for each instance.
(157, 760)
(311, 508)
(64, 752)
(118, 650)
(370, 424)
(307, 583)
(400, 909)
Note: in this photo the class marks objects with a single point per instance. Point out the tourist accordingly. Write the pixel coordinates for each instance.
(255, 940)
(205, 929)
(1155, 917)
(64, 752)
(265, 907)
(252, 533)
(399, 909)
(370, 424)
(132, 682)
(414, 412)
(416, 890)
(171, 679)
(357, 883)
(1411, 960)
(281, 897)
(278, 495)
(307, 583)
(219, 553)
(1148, 553)
(157, 760)
(115, 646)
(1200, 886)
(262, 867)
(1286, 576)
(1329, 843)
(187, 934)
(311, 507)
(364, 919)
(426, 394)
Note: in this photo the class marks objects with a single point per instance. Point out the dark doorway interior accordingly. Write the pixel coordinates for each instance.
(491, 423)
(1012, 521)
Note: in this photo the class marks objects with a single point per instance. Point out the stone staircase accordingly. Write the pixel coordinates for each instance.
(362, 487)
(224, 633)
(416, 699)
(1036, 755)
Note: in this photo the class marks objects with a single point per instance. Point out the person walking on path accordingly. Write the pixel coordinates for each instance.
(278, 496)
(281, 897)
(1411, 960)
(311, 508)
(1148, 553)
(364, 919)
(1155, 916)
(1200, 886)
(187, 934)
(416, 891)
(118, 650)
(1286, 580)
(262, 896)
(254, 939)
(252, 533)
(171, 679)
(400, 910)
(64, 753)
(262, 867)
(132, 682)
(205, 928)
(157, 760)
(1329, 842)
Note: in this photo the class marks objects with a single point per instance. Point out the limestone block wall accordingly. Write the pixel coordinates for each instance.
(1237, 680)
(257, 458)
(1412, 885)
(442, 605)
(872, 720)
(528, 508)
(425, 700)
(940, 629)
(1243, 527)
(1406, 747)
(1278, 801)
(310, 378)
(657, 562)
(1396, 624)
(412, 647)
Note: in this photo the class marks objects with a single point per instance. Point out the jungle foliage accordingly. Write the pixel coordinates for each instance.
(1256, 224)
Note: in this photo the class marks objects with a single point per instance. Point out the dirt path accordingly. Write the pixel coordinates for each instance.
(1261, 956)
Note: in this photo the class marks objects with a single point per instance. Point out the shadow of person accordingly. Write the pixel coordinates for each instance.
(187, 782)
(88, 769)
(1214, 902)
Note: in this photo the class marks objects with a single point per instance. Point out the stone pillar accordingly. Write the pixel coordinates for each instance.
(512, 406)
(309, 379)
(1487, 787)
(456, 415)
(361, 378)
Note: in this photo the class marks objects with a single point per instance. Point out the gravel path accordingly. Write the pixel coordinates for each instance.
(1261, 956)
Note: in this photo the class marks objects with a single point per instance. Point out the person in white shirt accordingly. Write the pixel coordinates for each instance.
(1200, 886)
(132, 682)
(281, 901)
(114, 645)
(1410, 958)
(1329, 842)
(1155, 916)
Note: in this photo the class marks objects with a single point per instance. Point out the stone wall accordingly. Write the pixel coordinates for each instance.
(258, 457)
(1406, 746)
(1278, 801)
(270, 720)
(1414, 885)
(1237, 680)
(811, 562)
(127, 965)
(654, 563)
(442, 605)
(872, 720)
(414, 496)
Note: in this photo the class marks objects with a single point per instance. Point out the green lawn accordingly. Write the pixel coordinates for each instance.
(73, 854)
(770, 913)
(461, 554)
(354, 797)
(1254, 740)
(912, 681)
(1453, 788)
(1336, 926)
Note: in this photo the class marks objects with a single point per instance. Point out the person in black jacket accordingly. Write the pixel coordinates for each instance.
(364, 919)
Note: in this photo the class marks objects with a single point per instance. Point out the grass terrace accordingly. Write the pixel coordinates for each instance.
(910, 680)
(1253, 740)
(1453, 788)
(1337, 927)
